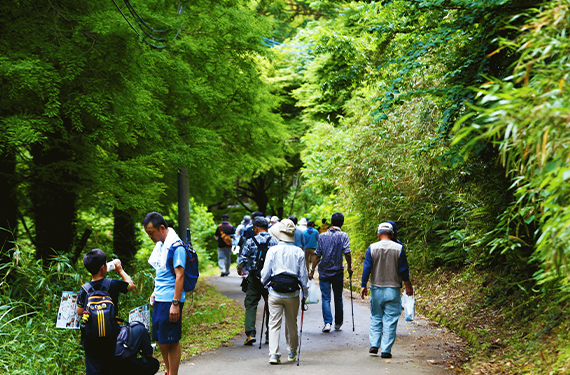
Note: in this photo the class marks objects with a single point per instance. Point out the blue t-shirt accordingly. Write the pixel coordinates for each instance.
(165, 280)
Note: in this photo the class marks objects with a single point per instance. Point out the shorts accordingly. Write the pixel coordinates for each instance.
(163, 330)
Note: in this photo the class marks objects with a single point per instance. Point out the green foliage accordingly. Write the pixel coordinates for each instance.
(100, 118)
(29, 340)
(203, 227)
(526, 117)
(382, 84)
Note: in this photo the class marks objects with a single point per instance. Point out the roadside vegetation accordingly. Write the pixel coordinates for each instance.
(449, 117)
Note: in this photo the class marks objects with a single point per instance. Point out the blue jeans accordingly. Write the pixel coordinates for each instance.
(385, 310)
(325, 282)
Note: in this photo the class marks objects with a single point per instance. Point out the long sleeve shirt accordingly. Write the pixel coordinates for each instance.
(385, 264)
(289, 259)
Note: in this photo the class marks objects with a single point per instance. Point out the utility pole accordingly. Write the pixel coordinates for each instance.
(183, 202)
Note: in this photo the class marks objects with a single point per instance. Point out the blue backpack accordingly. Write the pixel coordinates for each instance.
(191, 271)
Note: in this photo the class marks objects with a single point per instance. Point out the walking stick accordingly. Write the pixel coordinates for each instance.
(303, 308)
(351, 302)
(262, 322)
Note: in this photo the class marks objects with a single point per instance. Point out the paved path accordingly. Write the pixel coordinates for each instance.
(417, 350)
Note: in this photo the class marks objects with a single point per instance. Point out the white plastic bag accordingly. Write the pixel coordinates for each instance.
(409, 305)
(314, 293)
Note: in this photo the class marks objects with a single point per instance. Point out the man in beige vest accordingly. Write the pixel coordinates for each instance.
(386, 266)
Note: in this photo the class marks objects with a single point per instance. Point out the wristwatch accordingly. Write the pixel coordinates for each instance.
(175, 302)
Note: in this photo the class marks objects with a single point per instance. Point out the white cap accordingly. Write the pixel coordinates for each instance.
(385, 228)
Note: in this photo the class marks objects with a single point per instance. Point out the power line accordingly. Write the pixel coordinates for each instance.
(144, 26)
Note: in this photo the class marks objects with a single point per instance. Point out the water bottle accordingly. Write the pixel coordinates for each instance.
(110, 266)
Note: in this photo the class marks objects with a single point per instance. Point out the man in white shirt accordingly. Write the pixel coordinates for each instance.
(284, 269)
(168, 297)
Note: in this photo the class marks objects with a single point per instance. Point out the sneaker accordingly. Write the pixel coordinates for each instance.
(386, 355)
(373, 350)
(337, 327)
(274, 359)
(292, 357)
(327, 327)
(249, 340)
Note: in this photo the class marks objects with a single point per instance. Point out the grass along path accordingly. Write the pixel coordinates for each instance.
(210, 321)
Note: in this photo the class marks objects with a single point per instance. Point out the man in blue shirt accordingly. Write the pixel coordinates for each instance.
(168, 297)
(299, 238)
(387, 266)
(311, 238)
(331, 247)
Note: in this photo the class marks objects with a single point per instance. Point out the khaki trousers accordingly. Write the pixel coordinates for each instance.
(277, 308)
(308, 255)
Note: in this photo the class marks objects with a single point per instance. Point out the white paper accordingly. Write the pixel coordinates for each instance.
(141, 314)
(67, 317)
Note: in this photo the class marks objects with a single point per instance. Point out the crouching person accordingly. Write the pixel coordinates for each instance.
(284, 270)
(133, 354)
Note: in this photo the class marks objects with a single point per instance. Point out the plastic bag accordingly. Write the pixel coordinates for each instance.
(313, 294)
(409, 305)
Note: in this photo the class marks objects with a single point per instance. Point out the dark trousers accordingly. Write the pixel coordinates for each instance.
(255, 291)
(138, 366)
(99, 355)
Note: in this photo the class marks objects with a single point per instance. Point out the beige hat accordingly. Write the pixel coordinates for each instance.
(283, 230)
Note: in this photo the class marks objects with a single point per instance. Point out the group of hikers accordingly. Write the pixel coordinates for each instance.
(276, 258)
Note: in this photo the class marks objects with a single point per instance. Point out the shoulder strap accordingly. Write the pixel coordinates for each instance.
(268, 240)
(254, 240)
(106, 284)
(87, 287)
(176, 244)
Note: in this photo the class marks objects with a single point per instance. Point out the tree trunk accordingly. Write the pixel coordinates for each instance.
(9, 211)
(183, 203)
(125, 242)
(53, 197)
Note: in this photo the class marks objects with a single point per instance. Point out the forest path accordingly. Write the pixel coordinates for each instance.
(421, 346)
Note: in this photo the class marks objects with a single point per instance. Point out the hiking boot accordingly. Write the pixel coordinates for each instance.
(327, 327)
(373, 350)
(274, 359)
(337, 327)
(386, 355)
(292, 357)
(249, 340)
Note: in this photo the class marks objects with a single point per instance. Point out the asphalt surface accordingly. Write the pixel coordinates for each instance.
(421, 346)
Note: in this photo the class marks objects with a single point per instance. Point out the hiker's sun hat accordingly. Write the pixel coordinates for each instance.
(283, 230)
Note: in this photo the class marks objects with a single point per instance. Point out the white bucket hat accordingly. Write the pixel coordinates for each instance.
(283, 230)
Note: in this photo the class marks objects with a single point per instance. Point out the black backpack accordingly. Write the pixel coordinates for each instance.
(260, 255)
(127, 339)
(102, 321)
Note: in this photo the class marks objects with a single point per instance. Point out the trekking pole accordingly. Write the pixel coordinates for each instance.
(262, 322)
(351, 302)
(303, 308)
